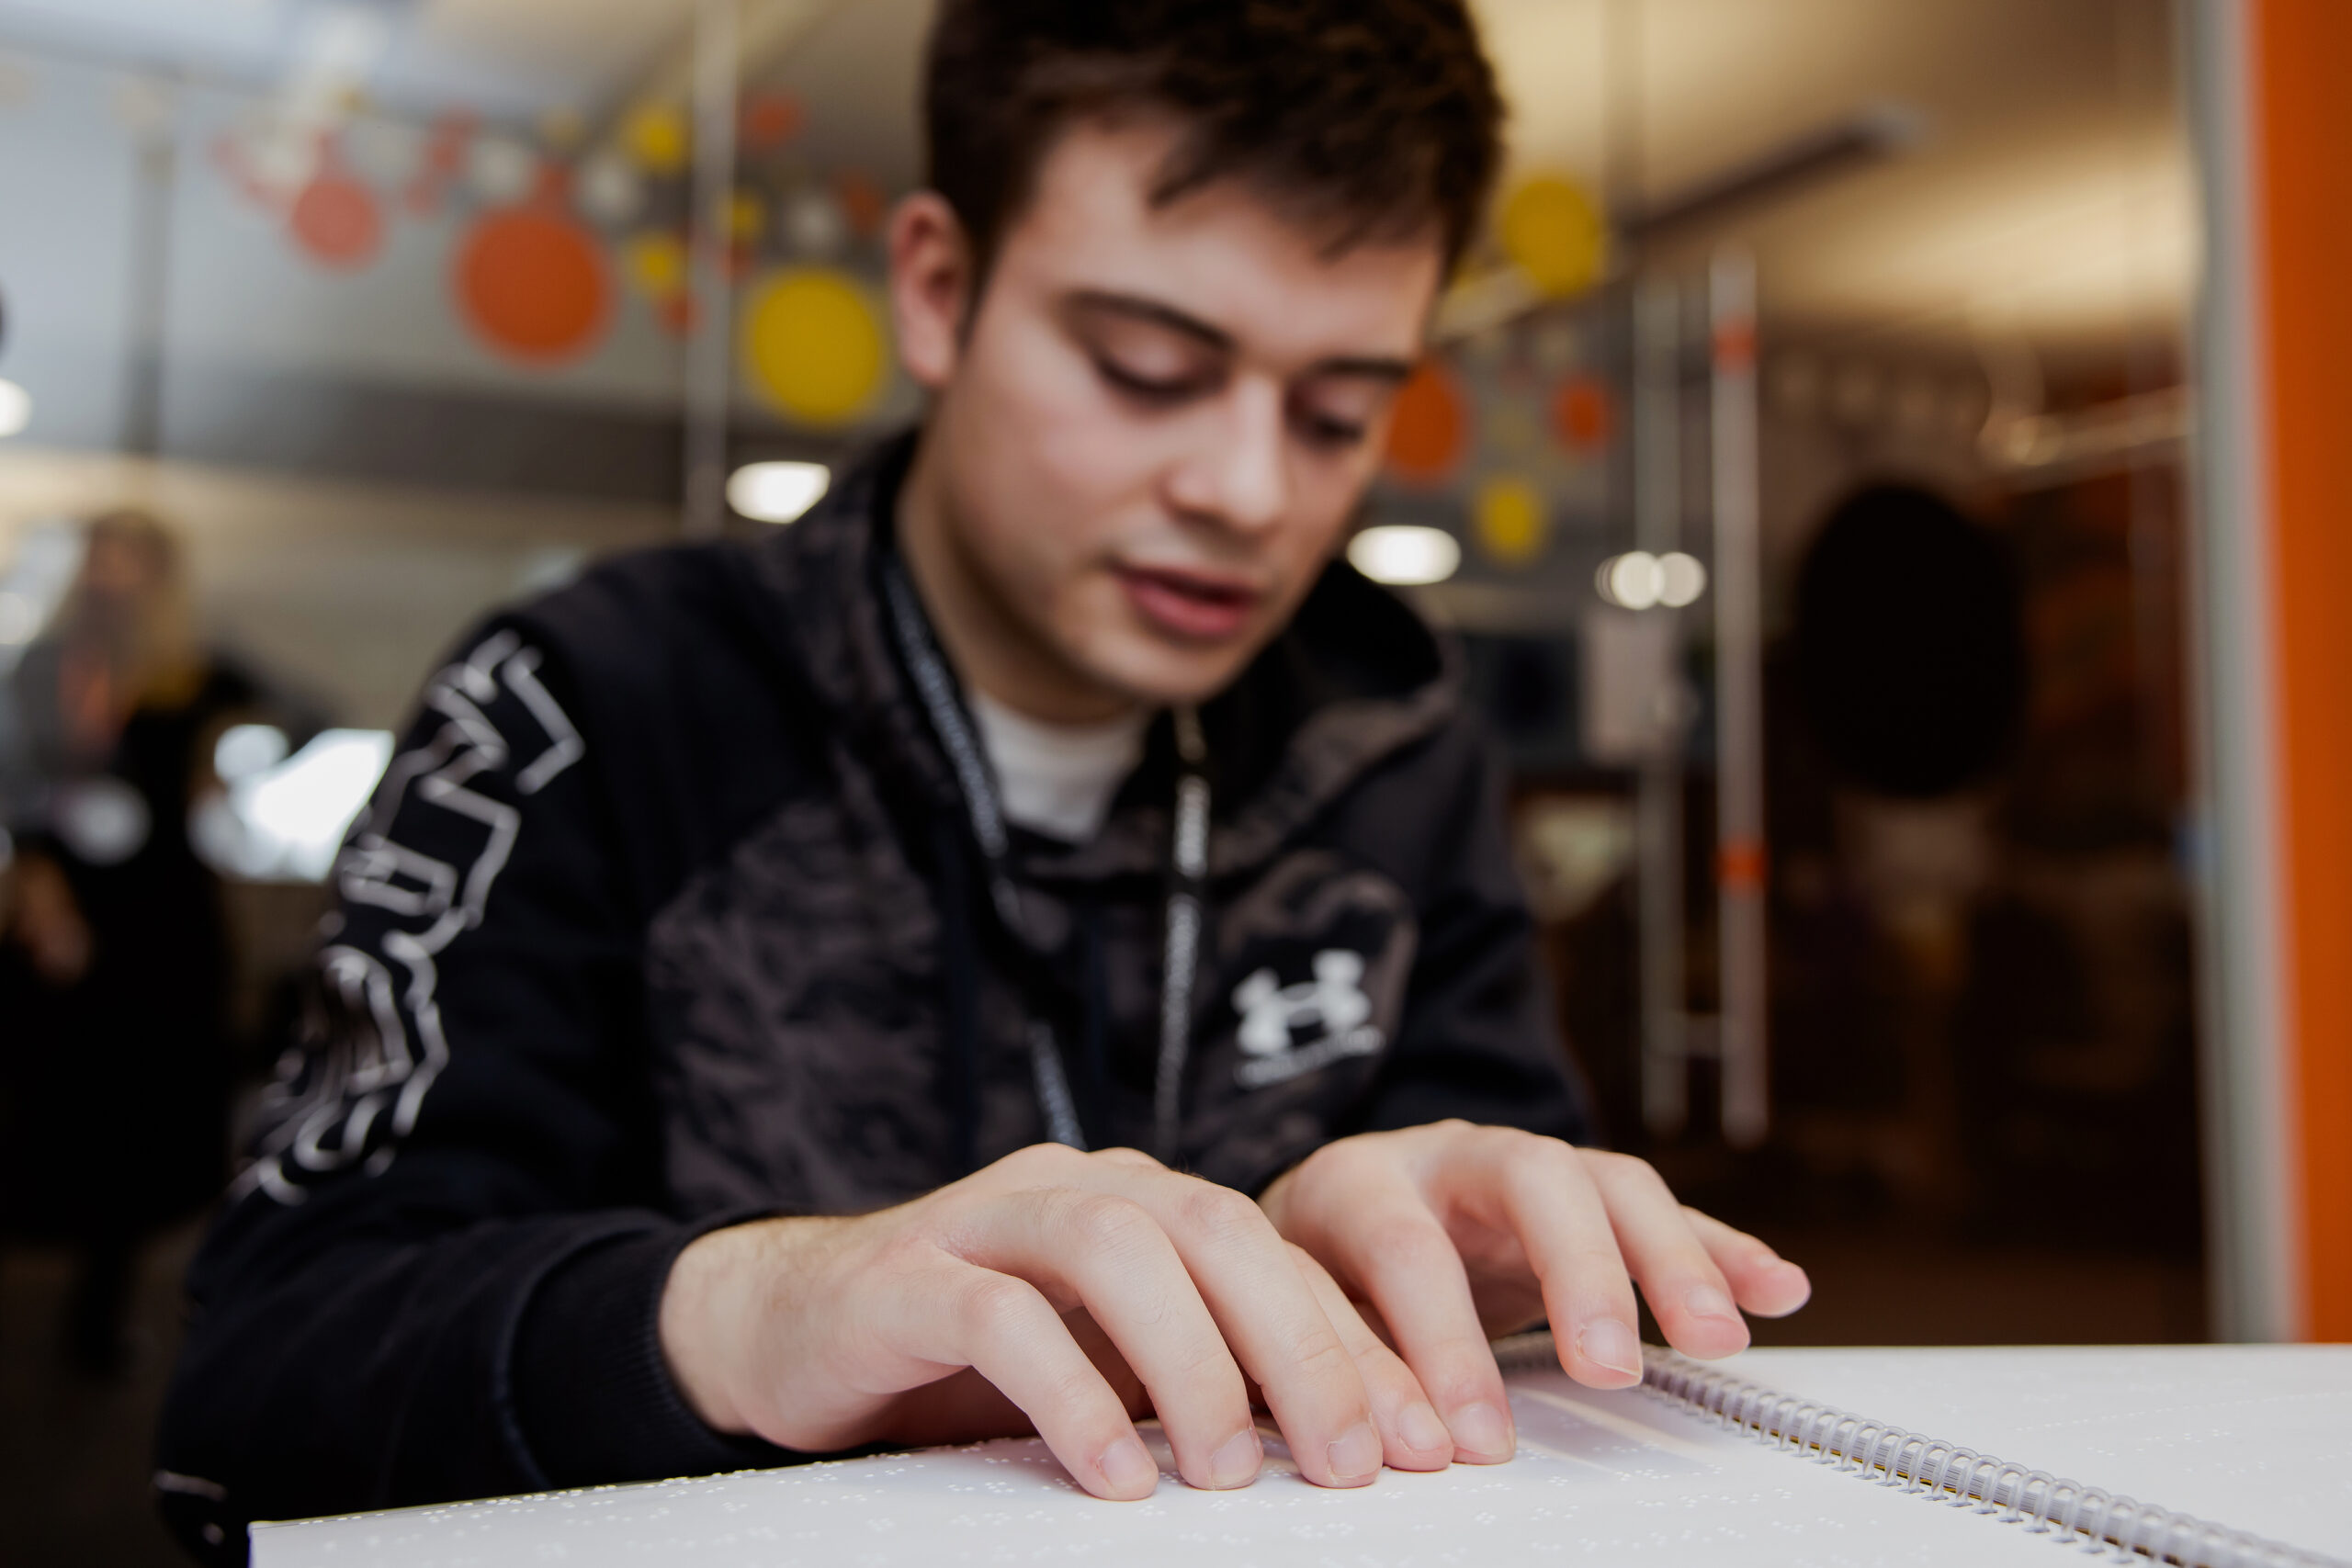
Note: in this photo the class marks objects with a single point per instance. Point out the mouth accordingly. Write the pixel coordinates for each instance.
(1195, 605)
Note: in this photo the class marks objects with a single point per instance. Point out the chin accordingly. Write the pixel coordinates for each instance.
(1153, 671)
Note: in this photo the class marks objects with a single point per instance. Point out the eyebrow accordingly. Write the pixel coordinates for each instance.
(1374, 367)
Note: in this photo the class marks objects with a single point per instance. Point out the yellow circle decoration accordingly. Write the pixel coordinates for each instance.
(1554, 234)
(655, 136)
(1507, 515)
(656, 264)
(814, 345)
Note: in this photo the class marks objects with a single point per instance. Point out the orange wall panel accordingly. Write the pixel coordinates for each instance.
(2303, 108)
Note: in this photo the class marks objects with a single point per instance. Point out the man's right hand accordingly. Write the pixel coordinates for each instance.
(918, 1323)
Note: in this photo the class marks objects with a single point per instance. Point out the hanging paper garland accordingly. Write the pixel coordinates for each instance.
(1552, 230)
(656, 137)
(1507, 517)
(611, 191)
(335, 218)
(501, 170)
(1426, 429)
(814, 345)
(655, 262)
(769, 120)
(384, 153)
(532, 284)
(814, 226)
(862, 203)
(744, 217)
(444, 158)
(1583, 417)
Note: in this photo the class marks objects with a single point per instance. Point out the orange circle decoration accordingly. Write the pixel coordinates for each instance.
(1427, 427)
(532, 285)
(1583, 417)
(338, 222)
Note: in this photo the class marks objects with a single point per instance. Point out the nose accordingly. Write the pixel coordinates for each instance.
(1237, 476)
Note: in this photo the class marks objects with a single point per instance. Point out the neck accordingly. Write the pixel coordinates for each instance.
(994, 650)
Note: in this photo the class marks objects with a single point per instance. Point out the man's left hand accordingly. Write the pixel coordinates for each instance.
(1450, 1234)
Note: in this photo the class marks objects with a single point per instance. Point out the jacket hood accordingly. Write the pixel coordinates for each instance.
(1354, 678)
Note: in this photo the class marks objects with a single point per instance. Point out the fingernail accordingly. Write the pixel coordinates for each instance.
(1481, 1429)
(1705, 1300)
(1128, 1467)
(1606, 1342)
(1356, 1454)
(1422, 1431)
(1236, 1465)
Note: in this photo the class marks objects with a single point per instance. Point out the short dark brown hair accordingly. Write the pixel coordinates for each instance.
(1371, 119)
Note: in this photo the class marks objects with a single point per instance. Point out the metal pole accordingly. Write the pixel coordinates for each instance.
(151, 271)
(1658, 803)
(2254, 1265)
(711, 361)
(1739, 699)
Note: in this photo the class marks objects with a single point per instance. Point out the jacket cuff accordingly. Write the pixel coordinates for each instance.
(592, 1393)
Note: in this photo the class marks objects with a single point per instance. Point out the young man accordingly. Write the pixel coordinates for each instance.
(735, 966)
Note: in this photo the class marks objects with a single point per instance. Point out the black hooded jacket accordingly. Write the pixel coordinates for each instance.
(670, 913)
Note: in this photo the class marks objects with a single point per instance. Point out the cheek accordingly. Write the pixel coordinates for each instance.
(1060, 463)
(1324, 495)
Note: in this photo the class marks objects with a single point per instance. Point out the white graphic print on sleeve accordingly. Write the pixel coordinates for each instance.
(352, 1093)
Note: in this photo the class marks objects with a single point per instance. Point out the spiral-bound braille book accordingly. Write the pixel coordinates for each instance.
(2209, 1456)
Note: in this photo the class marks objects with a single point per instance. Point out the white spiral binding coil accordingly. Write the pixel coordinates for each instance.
(2069, 1512)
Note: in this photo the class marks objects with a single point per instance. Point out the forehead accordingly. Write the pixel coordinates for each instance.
(1224, 253)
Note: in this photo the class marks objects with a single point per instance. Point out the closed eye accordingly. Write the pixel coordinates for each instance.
(1322, 430)
(1156, 391)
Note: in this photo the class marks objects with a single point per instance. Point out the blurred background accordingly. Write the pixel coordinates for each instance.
(1811, 464)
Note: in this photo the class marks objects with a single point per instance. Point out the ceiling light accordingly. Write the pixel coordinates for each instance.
(1404, 553)
(1680, 580)
(15, 408)
(1631, 581)
(776, 492)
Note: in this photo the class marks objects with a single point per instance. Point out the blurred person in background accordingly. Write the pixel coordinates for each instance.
(113, 1065)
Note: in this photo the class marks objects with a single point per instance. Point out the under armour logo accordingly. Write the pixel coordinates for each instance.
(1275, 1016)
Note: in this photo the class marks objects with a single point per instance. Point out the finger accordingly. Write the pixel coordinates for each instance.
(1412, 1437)
(1762, 1281)
(1551, 1202)
(1004, 1329)
(1272, 1321)
(1394, 1251)
(1112, 1255)
(1688, 1295)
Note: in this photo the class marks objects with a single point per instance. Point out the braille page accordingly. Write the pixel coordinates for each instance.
(1618, 1479)
(2255, 1436)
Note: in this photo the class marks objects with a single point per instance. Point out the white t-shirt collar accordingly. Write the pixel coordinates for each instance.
(1058, 779)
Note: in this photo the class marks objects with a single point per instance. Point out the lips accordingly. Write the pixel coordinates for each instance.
(1194, 606)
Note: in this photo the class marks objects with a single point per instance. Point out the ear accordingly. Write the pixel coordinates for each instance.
(931, 283)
